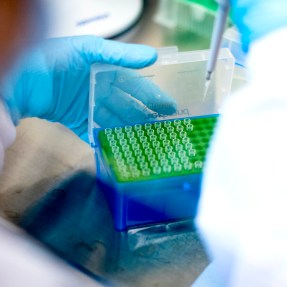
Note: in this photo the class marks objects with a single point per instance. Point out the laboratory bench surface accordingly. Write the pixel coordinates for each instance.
(48, 187)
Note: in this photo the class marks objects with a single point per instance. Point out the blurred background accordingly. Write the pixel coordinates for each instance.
(47, 185)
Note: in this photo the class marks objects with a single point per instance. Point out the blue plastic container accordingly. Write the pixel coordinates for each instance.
(178, 80)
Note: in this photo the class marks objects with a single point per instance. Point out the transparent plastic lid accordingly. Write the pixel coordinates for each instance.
(232, 41)
(174, 87)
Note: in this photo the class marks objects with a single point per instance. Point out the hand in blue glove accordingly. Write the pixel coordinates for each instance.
(125, 97)
(256, 18)
(54, 84)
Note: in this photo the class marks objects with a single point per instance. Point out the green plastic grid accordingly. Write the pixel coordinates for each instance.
(157, 150)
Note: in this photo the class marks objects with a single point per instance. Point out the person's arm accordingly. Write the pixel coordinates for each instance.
(243, 206)
(24, 262)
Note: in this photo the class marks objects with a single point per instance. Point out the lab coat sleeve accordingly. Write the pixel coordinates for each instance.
(23, 263)
(243, 209)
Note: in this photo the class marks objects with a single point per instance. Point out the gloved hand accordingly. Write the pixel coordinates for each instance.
(54, 82)
(255, 18)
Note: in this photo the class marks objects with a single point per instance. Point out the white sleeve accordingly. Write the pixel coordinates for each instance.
(243, 209)
(24, 263)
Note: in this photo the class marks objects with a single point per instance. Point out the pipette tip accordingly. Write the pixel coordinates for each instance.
(208, 76)
(207, 83)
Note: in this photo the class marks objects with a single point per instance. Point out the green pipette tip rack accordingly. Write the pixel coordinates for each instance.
(157, 150)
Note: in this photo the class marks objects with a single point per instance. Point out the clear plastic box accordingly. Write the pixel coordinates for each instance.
(150, 130)
(232, 41)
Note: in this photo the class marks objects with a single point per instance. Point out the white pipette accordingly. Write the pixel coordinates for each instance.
(219, 26)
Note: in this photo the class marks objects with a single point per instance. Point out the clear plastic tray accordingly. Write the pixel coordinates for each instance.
(159, 111)
(232, 41)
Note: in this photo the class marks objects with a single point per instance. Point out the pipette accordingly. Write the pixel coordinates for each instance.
(219, 26)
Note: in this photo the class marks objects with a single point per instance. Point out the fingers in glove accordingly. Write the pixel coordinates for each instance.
(137, 87)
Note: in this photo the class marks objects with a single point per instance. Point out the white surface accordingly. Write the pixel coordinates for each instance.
(105, 18)
(243, 206)
(25, 264)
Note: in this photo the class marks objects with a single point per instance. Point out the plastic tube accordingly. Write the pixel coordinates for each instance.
(174, 160)
(154, 163)
(160, 131)
(148, 151)
(198, 164)
(147, 126)
(181, 153)
(133, 140)
(166, 143)
(152, 138)
(138, 127)
(127, 153)
(135, 146)
(185, 140)
(140, 133)
(130, 134)
(130, 160)
(182, 134)
(150, 132)
(191, 152)
(189, 127)
(143, 165)
(177, 167)
(146, 172)
(118, 130)
(108, 131)
(151, 157)
(166, 168)
(123, 142)
(178, 147)
(143, 139)
(170, 129)
(125, 148)
(161, 156)
(163, 162)
(187, 121)
(110, 137)
(146, 144)
(179, 128)
(171, 155)
(155, 144)
(115, 149)
(120, 136)
(140, 159)
(168, 148)
(162, 136)
(157, 170)
(175, 141)
(138, 152)
(128, 128)
(112, 143)
(172, 135)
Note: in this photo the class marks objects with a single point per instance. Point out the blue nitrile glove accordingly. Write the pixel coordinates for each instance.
(256, 18)
(54, 83)
(120, 96)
